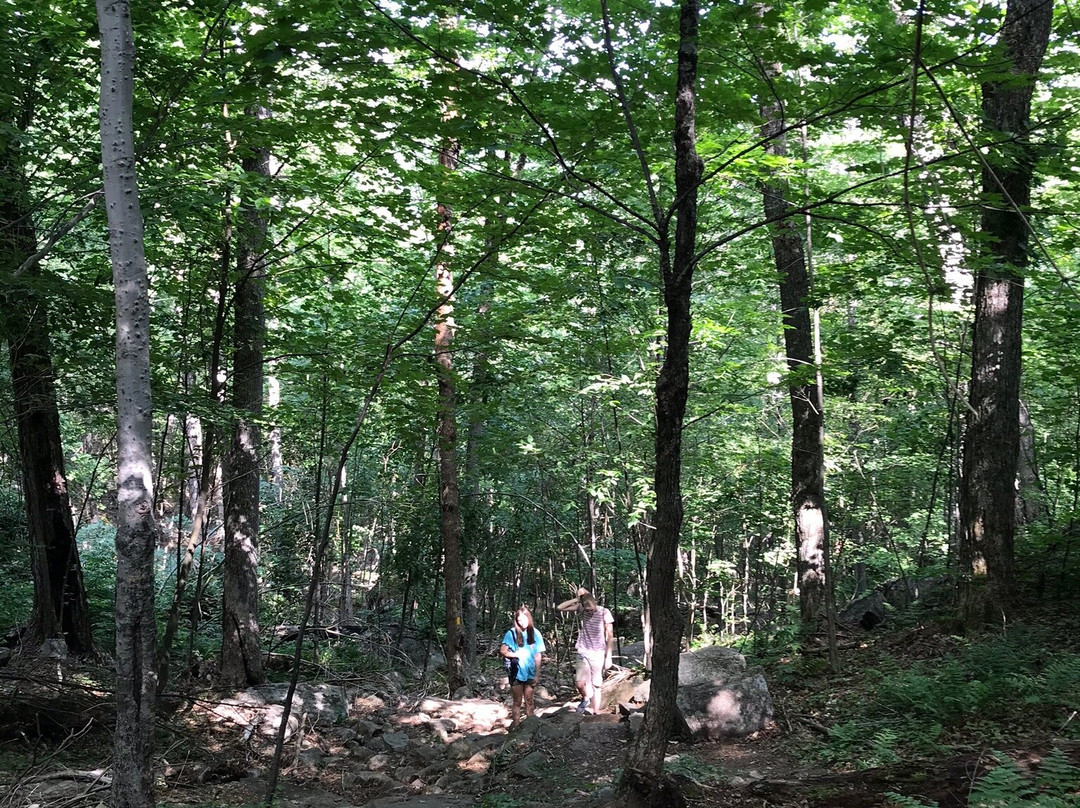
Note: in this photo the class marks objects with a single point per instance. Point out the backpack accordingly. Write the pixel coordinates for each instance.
(511, 668)
(510, 665)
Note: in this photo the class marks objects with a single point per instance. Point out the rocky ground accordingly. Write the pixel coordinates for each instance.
(378, 740)
(351, 744)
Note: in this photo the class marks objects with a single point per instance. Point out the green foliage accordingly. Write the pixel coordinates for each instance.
(1054, 784)
(985, 686)
(17, 593)
(868, 744)
(97, 549)
(692, 768)
(499, 801)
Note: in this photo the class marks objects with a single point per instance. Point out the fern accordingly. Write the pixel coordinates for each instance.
(1062, 681)
(900, 801)
(1055, 785)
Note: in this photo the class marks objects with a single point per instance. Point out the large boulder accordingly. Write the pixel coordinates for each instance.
(873, 608)
(262, 707)
(719, 696)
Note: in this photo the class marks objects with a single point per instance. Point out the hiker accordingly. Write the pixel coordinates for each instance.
(595, 640)
(522, 650)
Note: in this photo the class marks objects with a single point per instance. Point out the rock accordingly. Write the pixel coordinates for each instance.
(710, 664)
(358, 752)
(55, 648)
(633, 654)
(477, 763)
(378, 762)
(425, 801)
(433, 770)
(368, 704)
(459, 750)
(719, 697)
(866, 612)
(312, 758)
(318, 703)
(344, 734)
(533, 766)
(365, 779)
(424, 754)
(365, 729)
(462, 692)
(872, 609)
(5, 656)
(621, 691)
(635, 720)
(396, 741)
(269, 719)
(469, 714)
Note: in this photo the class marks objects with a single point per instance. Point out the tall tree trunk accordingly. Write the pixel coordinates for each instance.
(646, 754)
(241, 660)
(804, 391)
(277, 460)
(449, 494)
(60, 606)
(132, 785)
(992, 435)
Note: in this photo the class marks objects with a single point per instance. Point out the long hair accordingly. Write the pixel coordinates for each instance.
(530, 631)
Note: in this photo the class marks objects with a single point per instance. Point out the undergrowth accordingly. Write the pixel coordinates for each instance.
(1054, 785)
(975, 694)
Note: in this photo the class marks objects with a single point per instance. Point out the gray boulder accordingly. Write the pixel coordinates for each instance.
(719, 696)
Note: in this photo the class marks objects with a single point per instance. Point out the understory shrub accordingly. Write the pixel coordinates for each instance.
(1019, 682)
(1055, 784)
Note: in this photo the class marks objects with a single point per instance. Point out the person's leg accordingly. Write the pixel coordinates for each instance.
(527, 694)
(517, 688)
(583, 680)
(597, 682)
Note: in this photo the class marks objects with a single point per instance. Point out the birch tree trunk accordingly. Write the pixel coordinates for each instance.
(132, 785)
(992, 434)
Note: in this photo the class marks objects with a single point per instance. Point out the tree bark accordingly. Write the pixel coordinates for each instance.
(646, 754)
(60, 606)
(241, 658)
(807, 416)
(992, 435)
(132, 785)
(449, 493)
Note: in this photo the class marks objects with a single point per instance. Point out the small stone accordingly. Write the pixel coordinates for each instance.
(396, 741)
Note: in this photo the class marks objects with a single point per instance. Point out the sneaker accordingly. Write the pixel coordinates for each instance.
(581, 707)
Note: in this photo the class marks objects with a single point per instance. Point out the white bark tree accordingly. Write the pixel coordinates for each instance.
(135, 675)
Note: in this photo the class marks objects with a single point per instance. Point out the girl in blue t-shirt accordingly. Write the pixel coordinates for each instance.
(524, 646)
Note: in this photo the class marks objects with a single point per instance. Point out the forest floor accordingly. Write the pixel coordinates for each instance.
(396, 746)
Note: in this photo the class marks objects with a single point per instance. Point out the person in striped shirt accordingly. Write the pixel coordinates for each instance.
(595, 641)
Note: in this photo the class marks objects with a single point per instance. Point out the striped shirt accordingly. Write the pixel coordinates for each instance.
(591, 635)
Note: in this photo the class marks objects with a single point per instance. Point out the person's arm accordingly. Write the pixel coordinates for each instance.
(504, 651)
(574, 603)
(609, 636)
(540, 648)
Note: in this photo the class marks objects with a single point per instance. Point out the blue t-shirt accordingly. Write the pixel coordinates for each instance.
(527, 666)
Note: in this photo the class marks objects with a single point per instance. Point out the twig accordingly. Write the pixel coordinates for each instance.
(56, 235)
(810, 723)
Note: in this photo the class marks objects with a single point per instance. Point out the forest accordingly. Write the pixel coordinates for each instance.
(337, 331)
